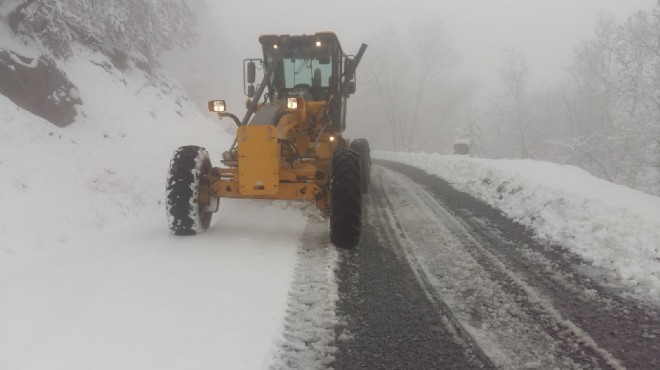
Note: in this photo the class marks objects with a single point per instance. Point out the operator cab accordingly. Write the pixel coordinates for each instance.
(306, 65)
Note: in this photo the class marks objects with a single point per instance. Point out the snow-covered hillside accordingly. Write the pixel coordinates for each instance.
(90, 276)
(613, 226)
(110, 164)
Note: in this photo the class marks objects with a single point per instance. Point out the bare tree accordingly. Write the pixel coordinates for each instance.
(385, 72)
(513, 108)
(411, 74)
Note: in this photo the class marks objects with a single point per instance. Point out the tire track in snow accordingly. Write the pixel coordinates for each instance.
(617, 321)
(389, 320)
(512, 323)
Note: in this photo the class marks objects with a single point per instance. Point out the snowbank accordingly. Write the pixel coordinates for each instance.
(613, 226)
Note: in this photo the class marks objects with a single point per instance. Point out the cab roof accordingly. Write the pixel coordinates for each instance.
(324, 37)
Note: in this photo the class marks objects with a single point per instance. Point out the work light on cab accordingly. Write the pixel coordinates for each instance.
(217, 106)
(292, 103)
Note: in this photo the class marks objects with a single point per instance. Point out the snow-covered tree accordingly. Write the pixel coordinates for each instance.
(605, 117)
(614, 106)
(142, 29)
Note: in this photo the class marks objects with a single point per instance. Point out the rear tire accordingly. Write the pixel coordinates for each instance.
(186, 181)
(346, 206)
(361, 146)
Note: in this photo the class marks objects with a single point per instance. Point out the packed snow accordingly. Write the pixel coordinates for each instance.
(501, 314)
(90, 277)
(612, 226)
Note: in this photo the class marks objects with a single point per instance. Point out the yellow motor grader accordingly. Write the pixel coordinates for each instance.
(289, 144)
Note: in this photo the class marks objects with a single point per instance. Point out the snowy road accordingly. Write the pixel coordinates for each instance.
(494, 290)
(439, 280)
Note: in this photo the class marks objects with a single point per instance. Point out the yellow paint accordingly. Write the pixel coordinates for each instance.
(287, 191)
(268, 170)
(258, 160)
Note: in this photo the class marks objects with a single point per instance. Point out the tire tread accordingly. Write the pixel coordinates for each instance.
(346, 206)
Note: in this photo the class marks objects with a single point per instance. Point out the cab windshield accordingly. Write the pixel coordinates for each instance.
(305, 68)
(313, 72)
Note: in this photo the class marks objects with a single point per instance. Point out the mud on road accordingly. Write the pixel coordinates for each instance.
(441, 280)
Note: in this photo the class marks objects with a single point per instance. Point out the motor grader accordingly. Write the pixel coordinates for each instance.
(288, 146)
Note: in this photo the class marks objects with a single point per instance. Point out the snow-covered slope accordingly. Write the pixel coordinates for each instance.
(613, 226)
(110, 164)
(90, 276)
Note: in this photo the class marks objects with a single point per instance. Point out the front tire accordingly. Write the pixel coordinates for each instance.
(346, 203)
(188, 191)
(361, 146)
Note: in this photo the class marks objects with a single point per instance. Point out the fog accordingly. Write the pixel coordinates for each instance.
(545, 33)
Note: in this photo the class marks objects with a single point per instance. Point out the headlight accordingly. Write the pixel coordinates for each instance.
(217, 106)
(292, 103)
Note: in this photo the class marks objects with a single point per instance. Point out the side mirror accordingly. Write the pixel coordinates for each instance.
(350, 89)
(251, 72)
(217, 106)
(250, 91)
(347, 65)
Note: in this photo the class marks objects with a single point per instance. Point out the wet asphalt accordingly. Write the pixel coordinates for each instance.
(389, 320)
(390, 317)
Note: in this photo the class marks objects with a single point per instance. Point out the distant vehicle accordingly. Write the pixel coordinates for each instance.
(462, 146)
(291, 149)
